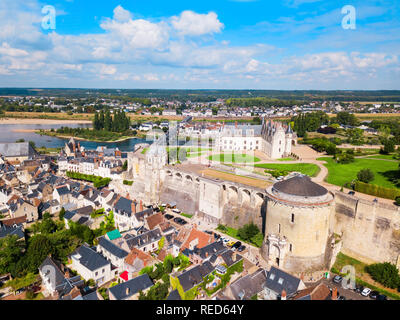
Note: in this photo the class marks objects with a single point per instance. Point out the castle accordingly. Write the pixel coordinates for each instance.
(275, 139)
(304, 224)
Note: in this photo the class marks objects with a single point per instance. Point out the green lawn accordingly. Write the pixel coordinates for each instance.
(186, 215)
(339, 174)
(286, 159)
(382, 156)
(309, 169)
(234, 157)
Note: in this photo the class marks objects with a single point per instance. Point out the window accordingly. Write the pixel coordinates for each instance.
(280, 281)
(272, 276)
(96, 273)
(290, 247)
(292, 219)
(279, 228)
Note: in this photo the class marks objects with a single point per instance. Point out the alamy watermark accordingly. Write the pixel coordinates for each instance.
(349, 20)
(49, 20)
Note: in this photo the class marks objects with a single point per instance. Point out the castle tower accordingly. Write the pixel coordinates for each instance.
(298, 224)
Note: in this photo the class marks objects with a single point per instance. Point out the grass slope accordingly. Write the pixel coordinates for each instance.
(339, 174)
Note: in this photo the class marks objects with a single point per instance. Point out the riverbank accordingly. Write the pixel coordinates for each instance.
(66, 136)
(41, 121)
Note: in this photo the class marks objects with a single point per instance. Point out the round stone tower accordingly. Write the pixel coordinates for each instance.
(298, 225)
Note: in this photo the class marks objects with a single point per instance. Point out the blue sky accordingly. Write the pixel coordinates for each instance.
(221, 44)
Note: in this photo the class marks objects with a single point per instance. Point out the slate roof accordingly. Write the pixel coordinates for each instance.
(62, 190)
(90, 258)
(112, 248)
(144, 238)
(134, 285)
(22, 149)
(194, 276)
(278, 280)
(246, 287)
(69, 214)
(11, 230)
(300, 186)
(174, 295)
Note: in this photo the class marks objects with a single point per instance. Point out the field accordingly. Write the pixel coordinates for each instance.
(339, 174)
(233, 158)
(309, 169)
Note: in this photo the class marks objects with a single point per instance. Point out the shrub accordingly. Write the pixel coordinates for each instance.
(385, 273)
(365, 175)
(377, 191)
(397, 200)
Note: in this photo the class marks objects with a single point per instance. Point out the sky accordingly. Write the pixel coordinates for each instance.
(219, 44)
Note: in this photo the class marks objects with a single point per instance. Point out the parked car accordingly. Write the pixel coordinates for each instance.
(225, 240)
(208, 231)
(359, 289)
(374, 294)
(342, 298)
(352, 193)
(381, 297)
(168, 216)
(337, 279)
(176, 210)
(236, 245)
(217, 236)
(230, 243)
(366, 292)
(241, 248)
(20, 291)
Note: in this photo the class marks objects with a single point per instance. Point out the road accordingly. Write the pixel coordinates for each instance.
(348, 294)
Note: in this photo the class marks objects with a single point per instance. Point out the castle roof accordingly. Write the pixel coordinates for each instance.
(300, 186)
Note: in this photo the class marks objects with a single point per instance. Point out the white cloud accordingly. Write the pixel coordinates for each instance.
(194, 24)
(121, 15)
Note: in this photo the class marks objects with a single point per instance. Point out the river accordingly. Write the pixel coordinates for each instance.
(9, 133)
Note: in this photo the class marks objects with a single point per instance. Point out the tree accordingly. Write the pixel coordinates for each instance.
(365, 175)
(61, 214)
(11, 252)
(385, 273)
(107, 121)
(248, 231)
(39, 248)
(388, 146)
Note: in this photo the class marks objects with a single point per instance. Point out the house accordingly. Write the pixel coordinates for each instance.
(192, 238)
(279, 282)
(92, 265)
(62, 194)
(146, 242)
(55, 281)
(14, 230)
(17, 152)
(317, 292)
(112, 253)
(154, 220)
(198, 255)
(192, 277)
(247, 286)
(136, 260)
(130, 289)
(129, 214)
(24, 208)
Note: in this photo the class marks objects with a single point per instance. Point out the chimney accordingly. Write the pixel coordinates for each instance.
(334, 293)
(207, 254)
(236, 124)
(283, 295)
(141, 206)
(302, 277)
(67, 274)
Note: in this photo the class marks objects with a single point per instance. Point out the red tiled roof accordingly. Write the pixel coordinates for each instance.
(154, 220)
(203, 239)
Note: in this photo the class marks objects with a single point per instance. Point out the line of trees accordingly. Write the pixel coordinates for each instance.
(104, 121)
